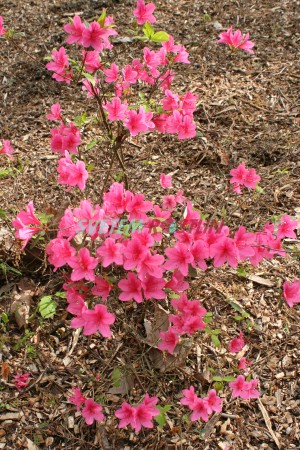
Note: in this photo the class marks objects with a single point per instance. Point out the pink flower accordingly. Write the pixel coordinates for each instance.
(236, 344)
(60, 66)
(138, 416)
(286, 227)
(214, 403)
(92, 411)
(59, 252)
(23, 219)
(102, 288)
(200, 410)
(251, 179)
(77, 398)
(153, 287)
(110, 253)
(72, 174)
(244, 364)
(126, 414)
(83, 265)
(189, 398)
(6, 148)
(75, 30)
(187, 129)
(2, 31)
(165, 181)
(131, 288)
(93, 36)
(21, 381)
(116, 110)
(244, 389)
(65, 138)
(139, 122)
(98, 319)
(55, 112)
(291, 292)
(91, 61)
(179, 257)
(236, 40)
(143, 13)
(134, 253)
(224, 250)
(177, 282)
(169, 340)
(112, 73)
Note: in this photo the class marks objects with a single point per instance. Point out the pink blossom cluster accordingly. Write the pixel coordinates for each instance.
(26, 224)
(236, 344)
(201, 408)
(6, 148)
(65, 138)
(91, 410)
(244, 389)
(60, 66)
(138, 416)
(236, 40)
(291, 292)
(241, 176)
(72, 174)
(21, 381)
(2, 30)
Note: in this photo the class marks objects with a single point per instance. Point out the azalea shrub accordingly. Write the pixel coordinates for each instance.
(127, 248)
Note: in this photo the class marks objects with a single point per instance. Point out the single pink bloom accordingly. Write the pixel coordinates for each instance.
(91, 61)
(112, 73)
(286, 227)
(126, 414)
(75, 30)
(21, 381)
(55, 112)
(6, 148)
(238, 177)
(187, 128)
(200, 251)
(60, 66)
(72, 174)
(171, 101)
(189, 398)
(236, 344)
(291, 292)
(134, 253)
(224, 250)
(139, 122)
(102, 288)
(130, 75)
(151, 265)
(116, 109)
(131, 288)
(169, 340)
(94, 36)
(142, 418)
(77, 398)
(23, 219)
(2, 31)
(188, 103)
(110, 253)
(177, 282)
(244, 364)
(153, 287)
(244, 242)
(165, 181)
(83, 265)
(236, 40)
(98, 319)
(214, 403)
(182, 55)
(137, 207)
(179, 257)
(92, 411)
(59, 252)
(150, 403)
(200, 410)
(244, 389)
(144, 13)
(251, 179)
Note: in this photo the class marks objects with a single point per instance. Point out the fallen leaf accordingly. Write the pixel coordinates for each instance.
(268, 422)
(259, 280)
(5, 371)
(21, 303)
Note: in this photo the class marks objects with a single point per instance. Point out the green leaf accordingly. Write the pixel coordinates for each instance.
(6, 172)
(148, 30)
(217, 378)
(216, 331)
(218, 386)
(102, 18)
(208, 318)
(199, 134)
(44, 218)
(4, 318)
(91, 144)
(60, 294)
(215, 341)
(241, 272)
(47, 307)
(236, 307)
(238, 318)
(229, 378)
(90, 167)
(89, 77)
(161, 418)
(116, 377)
(2, 214)
(80, 120)
(160, 36)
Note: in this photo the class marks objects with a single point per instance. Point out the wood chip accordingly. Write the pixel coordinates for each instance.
(259, 280)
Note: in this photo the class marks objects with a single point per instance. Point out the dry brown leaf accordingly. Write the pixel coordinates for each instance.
(268, 422)
(126, 384)
(159, 323)
(166, 362)
(259, 280)
(21, 303)
(5, 371)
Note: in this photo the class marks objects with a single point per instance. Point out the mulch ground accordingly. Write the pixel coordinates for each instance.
(248, 111)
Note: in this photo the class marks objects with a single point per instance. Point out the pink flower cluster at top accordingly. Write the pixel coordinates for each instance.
(202, 407)
(236, 40)
(2, 31)
(27, 224)
(241, 176)
(291, 292)
(138, 416)
(91, 410)
(21, 381)
(244, 389)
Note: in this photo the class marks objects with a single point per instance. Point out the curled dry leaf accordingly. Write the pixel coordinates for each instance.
(21, 303)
